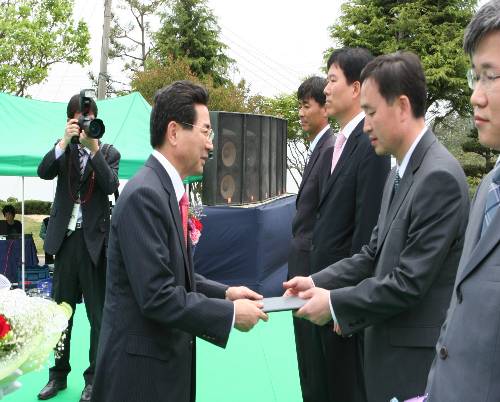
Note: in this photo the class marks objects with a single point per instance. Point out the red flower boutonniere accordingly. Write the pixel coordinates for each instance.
(194, 223)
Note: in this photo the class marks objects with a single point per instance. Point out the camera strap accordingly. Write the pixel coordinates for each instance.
(105, 149)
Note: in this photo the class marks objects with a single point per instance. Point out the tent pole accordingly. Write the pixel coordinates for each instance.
(22, 236)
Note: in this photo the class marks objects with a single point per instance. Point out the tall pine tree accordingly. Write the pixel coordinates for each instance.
(190, 30)
(433, 29)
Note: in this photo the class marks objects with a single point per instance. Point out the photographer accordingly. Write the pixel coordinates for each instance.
(87, 172)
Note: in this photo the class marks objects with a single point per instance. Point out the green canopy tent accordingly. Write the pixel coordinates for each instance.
(28, 128)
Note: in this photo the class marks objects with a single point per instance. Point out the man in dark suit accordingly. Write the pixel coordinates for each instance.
(467, 364)
(314, 122)
(398, 287)
(155, 304)
(343, 222)
(78, 232)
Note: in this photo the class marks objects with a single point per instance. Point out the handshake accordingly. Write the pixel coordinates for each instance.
(313, 303)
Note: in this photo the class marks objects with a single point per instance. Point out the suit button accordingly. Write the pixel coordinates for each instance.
(443, 353)
(318, 215)
(459, 296)
(313, 247)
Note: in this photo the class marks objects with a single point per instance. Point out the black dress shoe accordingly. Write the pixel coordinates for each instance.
(86, 393)
(51, 389)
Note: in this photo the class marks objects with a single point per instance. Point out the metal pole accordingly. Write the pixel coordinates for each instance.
(22, 238)
(103, 72)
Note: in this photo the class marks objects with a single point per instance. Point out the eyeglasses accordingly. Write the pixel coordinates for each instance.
(207, 132)
(486, 78)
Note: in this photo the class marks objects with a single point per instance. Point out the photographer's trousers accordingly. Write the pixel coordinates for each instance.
(75, 275)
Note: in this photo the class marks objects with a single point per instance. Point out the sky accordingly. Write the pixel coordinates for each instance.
(276, 43)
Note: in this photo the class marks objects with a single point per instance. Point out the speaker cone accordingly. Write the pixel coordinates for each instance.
(228, 154)
(227, 187)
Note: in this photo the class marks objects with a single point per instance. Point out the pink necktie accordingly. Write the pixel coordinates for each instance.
(184, 206)
(337, 150)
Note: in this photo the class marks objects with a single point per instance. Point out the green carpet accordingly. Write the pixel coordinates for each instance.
(258, 366)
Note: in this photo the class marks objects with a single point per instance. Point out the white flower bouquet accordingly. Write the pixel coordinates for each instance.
(30, 328)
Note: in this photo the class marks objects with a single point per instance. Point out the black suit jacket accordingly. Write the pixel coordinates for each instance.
(95, 212)
(350, 201)
(398, 287)
(306, 204)
(154, 304)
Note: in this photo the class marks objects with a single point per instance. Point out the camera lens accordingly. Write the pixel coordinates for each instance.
(95, 128)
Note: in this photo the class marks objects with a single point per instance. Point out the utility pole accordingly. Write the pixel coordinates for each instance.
(103, 72)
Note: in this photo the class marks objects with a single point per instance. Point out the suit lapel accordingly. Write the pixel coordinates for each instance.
(349, 147)
(478, 248)
(384, 206)
(153, 163)
(393, 207)
(312, 161)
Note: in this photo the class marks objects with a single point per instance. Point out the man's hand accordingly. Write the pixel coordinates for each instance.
(9, 383)
(88, 142)
(247, 314)
(72, 130)
(317, 309)
(241, 292)
(297, 284)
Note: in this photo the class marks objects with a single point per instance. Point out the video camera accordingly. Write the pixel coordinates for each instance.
(94, 128)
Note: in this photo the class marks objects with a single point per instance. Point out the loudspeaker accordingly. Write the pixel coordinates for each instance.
(249, 162)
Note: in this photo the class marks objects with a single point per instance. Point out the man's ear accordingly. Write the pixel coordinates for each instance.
(405, 106)
(171, 133)
(356, 89)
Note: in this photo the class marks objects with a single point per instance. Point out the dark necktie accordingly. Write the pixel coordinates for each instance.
(397, 180)
(492, 200)
(395, 185)
(184, 207)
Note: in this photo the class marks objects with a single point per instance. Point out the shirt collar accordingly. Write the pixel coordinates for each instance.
(404, 163)
(349, 127)
(173, 173)
(318, 137)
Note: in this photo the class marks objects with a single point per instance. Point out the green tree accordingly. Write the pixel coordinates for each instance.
(228, 97)
(433, 29)
(487, 156)
(286, 106)
(189, 30)
(35, 34)
(131, 40)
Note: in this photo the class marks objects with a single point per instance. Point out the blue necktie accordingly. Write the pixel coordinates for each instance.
(492, 200)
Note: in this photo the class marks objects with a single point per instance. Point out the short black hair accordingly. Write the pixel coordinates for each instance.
(313, 88)
(74, 106)
(175, 102)
(8, 208)
(396, 74)
(351, 61)
(486, 20)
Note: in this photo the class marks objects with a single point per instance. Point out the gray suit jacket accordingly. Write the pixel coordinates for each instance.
(155, 304)
(467, 365)
(100, 179)
(399, 286)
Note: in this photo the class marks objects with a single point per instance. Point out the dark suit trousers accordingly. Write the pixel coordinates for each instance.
(338, 368)
(74, 275)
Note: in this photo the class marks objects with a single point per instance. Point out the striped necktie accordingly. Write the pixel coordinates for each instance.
(492, 200)
(82, 156)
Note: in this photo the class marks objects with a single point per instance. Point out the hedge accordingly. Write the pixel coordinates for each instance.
(31, 207)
